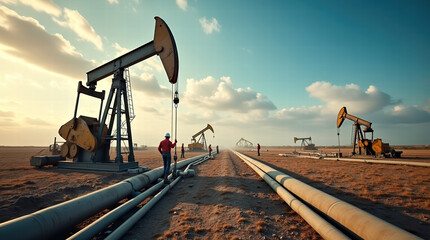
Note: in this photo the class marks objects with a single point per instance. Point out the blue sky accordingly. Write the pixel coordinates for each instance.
(262, 70)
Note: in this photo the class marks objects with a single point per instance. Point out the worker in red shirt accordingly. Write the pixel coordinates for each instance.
(164, 148)
(258, 149)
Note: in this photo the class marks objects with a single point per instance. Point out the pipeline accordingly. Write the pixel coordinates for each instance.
(49, 222)
(97, 226)
(419, 164)
(356, 220)
(324, 228)
(129, 223)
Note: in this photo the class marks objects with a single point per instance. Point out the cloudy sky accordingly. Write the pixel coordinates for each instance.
(267, 71)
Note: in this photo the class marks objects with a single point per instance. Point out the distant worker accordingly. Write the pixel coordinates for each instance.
(210, 150)
(164, 148)
(217, 149)
(182, 151)
(258, 149)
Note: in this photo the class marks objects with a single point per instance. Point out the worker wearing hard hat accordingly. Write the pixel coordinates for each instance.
(164, 148)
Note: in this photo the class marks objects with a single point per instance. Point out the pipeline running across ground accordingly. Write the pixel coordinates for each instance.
(361, 224)
(418, 164)
(57, 220)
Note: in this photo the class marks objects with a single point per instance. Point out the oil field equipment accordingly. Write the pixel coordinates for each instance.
(88, 139)
(305, 145)
(200, 143)
(55, 148)
(243, 143)
(370, 147)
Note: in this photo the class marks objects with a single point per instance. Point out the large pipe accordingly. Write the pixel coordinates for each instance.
(129, 223)
(324, 228)
(97, 226)
(419, 164)
(49, 222)
(358, 221)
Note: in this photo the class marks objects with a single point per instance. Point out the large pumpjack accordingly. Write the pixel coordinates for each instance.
(372, 147)
(88, 139)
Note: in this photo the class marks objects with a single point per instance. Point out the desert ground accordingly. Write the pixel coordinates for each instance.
(227, 199)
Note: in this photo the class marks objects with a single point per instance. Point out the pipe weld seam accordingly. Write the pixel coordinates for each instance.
(337, 202)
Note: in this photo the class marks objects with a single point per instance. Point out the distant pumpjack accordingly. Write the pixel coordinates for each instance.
(244, 143)
(200, 143)
(305, 145)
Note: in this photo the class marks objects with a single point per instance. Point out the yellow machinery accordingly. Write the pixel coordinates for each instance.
(88, 139)
(370, 147)
(200, 144)
(305, 144)
(244, 143)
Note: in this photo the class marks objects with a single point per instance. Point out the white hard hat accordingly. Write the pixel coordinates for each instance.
(167, 135)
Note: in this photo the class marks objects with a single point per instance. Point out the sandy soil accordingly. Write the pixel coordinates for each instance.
(226, 199)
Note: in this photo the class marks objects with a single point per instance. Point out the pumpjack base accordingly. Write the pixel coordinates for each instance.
(98, 166)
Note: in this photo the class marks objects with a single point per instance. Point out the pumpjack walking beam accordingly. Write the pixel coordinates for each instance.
(163, 44)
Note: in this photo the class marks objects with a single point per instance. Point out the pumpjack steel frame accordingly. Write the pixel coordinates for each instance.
(163, 45)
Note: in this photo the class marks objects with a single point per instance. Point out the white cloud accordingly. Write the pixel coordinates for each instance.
(210, 26)
(407, 114)
(6, 114)
(372, 104)
(210, 93)
(75, 21)
(151, 110)
(302, 113)
(350, 96)
(199, 117)
(182, 4)
(113, 1)
(153, 63)
(50, 52)
(120, 50)
(37, 121)
(148, 84)
(47, 6)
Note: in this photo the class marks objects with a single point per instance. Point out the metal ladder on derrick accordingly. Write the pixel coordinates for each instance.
(130, 110)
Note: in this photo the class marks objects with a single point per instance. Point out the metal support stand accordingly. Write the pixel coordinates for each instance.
(118, 89)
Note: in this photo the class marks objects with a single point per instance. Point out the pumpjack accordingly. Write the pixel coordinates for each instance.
(244, 143)
(200, 143)
(305, 145)
(373, 147)
(88, 139)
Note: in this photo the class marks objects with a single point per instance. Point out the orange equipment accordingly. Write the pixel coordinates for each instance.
(371, 147)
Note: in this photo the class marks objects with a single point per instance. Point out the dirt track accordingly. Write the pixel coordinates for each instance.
(225, 200)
